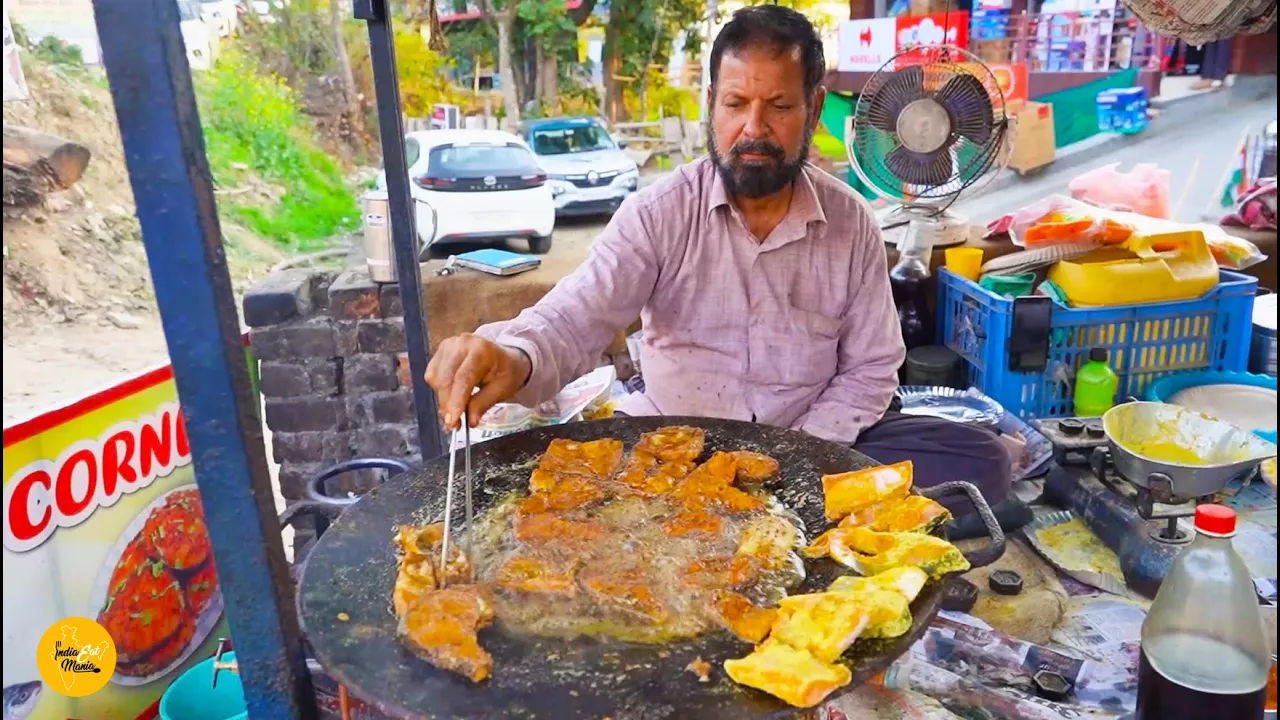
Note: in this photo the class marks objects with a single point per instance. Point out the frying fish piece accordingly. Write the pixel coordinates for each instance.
(792, 675)
(419, 570)
(769, 539)
(907, 581)
(742, 618)
(754, 467)
(853, 491)
(441, 627)
(721, 572)
(675, 443)
(693, 521)
(913, 513)
(822, 624)
(538, 577)
(710, 484)
(567, 492)
(549, 528)
(598, 459)
(868, 552)
(627, 592)
(648, 475)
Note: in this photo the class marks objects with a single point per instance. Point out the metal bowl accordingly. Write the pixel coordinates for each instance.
(1141, 433)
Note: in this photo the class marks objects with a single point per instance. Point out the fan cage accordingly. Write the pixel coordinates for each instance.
(867, 145)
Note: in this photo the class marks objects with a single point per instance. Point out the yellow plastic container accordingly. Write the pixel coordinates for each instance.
(1146, 269)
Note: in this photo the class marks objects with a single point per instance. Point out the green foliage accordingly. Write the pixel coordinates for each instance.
(252, 124)
(54, 51)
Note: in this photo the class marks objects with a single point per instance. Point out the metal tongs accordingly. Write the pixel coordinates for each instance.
(464, 428)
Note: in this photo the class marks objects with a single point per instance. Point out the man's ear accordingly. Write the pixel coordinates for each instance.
(815, 112)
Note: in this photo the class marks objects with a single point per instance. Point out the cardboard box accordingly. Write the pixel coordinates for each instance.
(992, 51)
(1033, 138)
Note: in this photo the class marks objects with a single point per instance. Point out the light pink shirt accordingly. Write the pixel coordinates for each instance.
(797, 331)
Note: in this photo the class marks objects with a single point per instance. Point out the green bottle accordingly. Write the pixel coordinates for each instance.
(1096, 384)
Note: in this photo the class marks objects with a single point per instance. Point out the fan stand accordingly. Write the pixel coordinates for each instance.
(940, 229)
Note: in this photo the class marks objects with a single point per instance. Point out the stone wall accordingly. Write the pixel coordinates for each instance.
(333, 372)
(333, 368)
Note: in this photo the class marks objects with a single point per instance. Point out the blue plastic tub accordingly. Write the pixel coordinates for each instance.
(1145, 342)
(191, 696)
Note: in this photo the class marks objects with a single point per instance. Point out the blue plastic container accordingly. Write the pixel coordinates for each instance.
(1144, 342)
(1122, 110)
(191, 696)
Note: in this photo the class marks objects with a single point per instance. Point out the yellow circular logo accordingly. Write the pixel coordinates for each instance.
(76, 657)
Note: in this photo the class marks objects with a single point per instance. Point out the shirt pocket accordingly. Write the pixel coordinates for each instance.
(806, 345)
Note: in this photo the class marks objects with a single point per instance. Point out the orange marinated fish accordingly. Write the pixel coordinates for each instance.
(677, 443)
(441, 626)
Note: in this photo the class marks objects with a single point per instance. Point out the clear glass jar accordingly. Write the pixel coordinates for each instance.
(1204, 649)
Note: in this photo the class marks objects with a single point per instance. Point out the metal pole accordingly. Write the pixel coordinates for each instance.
(404, 234)
(146, 63)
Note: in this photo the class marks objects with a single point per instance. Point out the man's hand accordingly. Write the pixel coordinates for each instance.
(466, 362)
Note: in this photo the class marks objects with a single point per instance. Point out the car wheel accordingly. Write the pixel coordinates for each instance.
(540, 244)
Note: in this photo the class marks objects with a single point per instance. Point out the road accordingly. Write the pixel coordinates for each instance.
(1197, 155)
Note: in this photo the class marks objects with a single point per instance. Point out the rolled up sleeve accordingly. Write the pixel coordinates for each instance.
(870, 352)
(566, 332)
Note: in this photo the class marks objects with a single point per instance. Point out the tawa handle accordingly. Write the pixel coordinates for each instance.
(995, 547)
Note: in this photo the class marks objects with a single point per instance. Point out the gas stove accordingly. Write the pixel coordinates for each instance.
(1140, 519)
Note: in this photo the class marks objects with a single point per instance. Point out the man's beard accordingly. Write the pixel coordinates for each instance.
(758, 178)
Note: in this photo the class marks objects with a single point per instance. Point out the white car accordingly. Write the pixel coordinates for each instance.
(588, 172)
(477, 186)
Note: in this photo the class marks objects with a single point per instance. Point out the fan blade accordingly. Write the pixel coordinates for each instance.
(925, 169)
(969, 105)
(901, 88)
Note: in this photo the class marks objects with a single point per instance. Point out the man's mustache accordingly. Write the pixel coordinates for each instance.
(757, 147)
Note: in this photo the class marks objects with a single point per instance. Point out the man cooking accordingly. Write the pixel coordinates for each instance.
(760, 280)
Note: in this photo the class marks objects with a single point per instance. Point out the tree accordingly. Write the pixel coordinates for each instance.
(354, 106)
(639, 34)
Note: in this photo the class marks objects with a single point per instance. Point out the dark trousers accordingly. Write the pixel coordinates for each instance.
(1217, 60)
(941, 451)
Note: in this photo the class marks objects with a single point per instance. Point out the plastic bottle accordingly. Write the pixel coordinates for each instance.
(1204, 649)
(1096, 384)
(909, 280)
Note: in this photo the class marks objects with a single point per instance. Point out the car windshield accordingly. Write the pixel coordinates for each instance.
(480, 160)
(565, 140)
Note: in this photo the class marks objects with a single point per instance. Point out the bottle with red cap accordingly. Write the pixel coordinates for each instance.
(1204, 650)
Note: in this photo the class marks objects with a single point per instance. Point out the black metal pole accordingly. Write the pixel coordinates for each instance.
(146, 63)
(404, 233)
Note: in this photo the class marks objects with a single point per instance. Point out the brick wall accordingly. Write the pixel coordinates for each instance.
(333, 372)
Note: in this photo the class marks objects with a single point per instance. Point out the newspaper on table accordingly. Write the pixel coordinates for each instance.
(976, 672)
(578, 397)
(1104, 628)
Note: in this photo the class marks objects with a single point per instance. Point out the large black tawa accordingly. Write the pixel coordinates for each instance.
(345, 606)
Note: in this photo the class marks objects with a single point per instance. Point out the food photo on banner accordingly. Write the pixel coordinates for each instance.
(103, 528)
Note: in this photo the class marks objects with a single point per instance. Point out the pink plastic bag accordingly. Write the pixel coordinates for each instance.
(1143, 190)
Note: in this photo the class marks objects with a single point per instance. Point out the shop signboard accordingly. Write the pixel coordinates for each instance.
(866, 45)
(103, 528)
(1011, 78)
(915, 34)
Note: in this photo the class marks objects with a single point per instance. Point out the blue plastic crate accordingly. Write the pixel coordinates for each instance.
(1145, 342)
